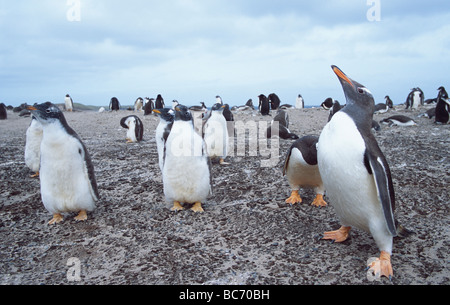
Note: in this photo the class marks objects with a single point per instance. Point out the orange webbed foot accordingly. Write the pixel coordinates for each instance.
(379, 267)
(319, 201)
(295, 198)
(338, 236)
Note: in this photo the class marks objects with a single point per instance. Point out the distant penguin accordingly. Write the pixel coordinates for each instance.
(67, 176)
(389, 102)
(250, 104)
(186, 172)
(229, 117)
(286, 107)
(3, 112)
(135, 128)
(415, 99)
(442, 107)
(275, 101)
(159, 103)
(148, 106)
(219, 100)
(114, 105)
(139, 104)
(430, 113)
(201, 108)
(175, 104)
(398, 120)
(334, 109)
(300, 102)
(33, 146)
(216, 134)
(264, 106)
(327, 104)
(68, 103)
(302, 170)
(283, 127)
(166, 118)
(356, 174)
(227, 113)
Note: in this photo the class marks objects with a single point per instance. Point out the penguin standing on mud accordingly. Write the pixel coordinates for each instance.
(442, 107)
(356, 174)
(114, 104)
(3, 112)
(166, 118)
(216, 134)
(264, 105)
(67, 176)
(33, 146)
(135, 128)
(301, 170)
(186, 172)
(68, 103)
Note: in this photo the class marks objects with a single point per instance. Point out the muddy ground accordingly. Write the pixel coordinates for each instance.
(247, 235)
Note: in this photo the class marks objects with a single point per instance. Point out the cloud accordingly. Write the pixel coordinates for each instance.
(193, 50)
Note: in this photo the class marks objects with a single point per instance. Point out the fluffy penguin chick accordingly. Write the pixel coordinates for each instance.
(356, 174)
(33, 146)
(186, 171)
(302, 170)
(67, 175)
(216, 134)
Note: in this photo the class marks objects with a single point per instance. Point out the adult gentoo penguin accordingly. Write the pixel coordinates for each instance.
(399, 120)
(415, 99)
(159, 103)
(166, 118)
(33, 146)
(356, 174)
(216, 134)
(67, 174)
(282, 128)
(300, 102)
(302, 170)
(186, 172)
(264, 106)
(3, 112)
(135, 128)
(68, 103)
(139, 104)
(275, 101)
(149, 105)
(114, 104)
(442, 107)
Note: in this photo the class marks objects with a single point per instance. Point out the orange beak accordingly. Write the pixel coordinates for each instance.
(31, 108)
(342, 75)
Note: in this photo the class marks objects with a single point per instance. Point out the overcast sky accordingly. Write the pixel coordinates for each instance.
(193, 50)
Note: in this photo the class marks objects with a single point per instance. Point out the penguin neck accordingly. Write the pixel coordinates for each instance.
(361, 114)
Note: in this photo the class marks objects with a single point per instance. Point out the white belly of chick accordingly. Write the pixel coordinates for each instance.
(186, 176)
(65, 185)
(302, 174)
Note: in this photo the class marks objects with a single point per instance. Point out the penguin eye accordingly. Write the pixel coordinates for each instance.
(48, 111)
(361, 90)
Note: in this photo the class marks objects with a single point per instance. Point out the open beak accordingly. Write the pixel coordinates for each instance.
(342, 75)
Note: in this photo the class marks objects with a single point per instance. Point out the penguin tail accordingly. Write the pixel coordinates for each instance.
(403, 232)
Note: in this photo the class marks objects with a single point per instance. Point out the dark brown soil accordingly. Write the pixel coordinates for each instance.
(247, 235)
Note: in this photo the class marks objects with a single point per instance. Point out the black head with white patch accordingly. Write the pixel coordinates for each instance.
(182, 113)
(218, 107)
(360, 101)
(47, 113)
(165, 114)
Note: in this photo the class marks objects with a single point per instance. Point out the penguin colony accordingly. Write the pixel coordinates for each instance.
(363, 198)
